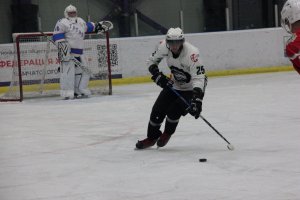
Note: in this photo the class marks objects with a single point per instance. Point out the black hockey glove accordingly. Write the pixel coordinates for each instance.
(196, 104)
(103, 26)
(98, 27)
(159, 78)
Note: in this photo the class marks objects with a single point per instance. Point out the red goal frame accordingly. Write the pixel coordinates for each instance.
(18, 36)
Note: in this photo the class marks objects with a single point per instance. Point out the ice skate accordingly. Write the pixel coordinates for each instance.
(80, 96)
(163, 140)
(146, 143)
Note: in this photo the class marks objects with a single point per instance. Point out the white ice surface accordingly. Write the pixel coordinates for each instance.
(52, 149)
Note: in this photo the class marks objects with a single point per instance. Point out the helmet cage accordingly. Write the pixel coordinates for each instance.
(70, 9)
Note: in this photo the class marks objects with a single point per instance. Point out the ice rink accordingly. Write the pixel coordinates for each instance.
(51, 149)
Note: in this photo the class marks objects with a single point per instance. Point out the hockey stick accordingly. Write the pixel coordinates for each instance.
(76, 62)
(229, 146)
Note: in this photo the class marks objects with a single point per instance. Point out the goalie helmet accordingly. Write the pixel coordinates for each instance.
(290, 13)
(71, 12)
(174, 37)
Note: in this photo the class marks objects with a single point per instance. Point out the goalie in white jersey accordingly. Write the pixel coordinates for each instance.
(69, 33)
(187, 78)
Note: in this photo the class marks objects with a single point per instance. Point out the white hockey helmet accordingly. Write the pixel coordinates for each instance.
(174, 35)
(290, 13)
(70, 9)
(175, 40)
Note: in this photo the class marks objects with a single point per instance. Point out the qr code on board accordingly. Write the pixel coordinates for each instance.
(102, 54)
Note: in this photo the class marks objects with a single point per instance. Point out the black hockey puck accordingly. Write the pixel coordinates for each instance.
(202, 160)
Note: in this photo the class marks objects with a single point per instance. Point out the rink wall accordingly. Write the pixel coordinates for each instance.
(219, 50)
(223, 53)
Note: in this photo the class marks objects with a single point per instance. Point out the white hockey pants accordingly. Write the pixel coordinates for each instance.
(67, 78)
(82, 79)
(73, 79)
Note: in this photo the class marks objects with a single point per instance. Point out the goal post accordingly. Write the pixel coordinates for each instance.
(36, 67)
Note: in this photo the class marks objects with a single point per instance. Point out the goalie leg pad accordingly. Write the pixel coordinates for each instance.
(67, 94)
(81, 84)
(67, 72)
(82, 79)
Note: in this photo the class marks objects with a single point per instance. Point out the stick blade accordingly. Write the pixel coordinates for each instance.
(230, 147)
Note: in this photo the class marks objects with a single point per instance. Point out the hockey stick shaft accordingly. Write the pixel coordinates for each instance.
(207, 122)
(211, 126)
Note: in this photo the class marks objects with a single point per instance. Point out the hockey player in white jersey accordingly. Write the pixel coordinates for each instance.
(187, 78)
(69, 33)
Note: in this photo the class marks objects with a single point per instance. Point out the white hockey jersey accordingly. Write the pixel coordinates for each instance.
(187, 71)
(73, 33)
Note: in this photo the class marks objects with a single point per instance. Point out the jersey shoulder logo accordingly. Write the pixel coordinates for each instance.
(194, 57)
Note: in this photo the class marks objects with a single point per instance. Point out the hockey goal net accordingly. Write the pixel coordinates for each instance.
(36, 66)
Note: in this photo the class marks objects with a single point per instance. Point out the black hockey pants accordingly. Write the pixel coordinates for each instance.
(167, 105)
